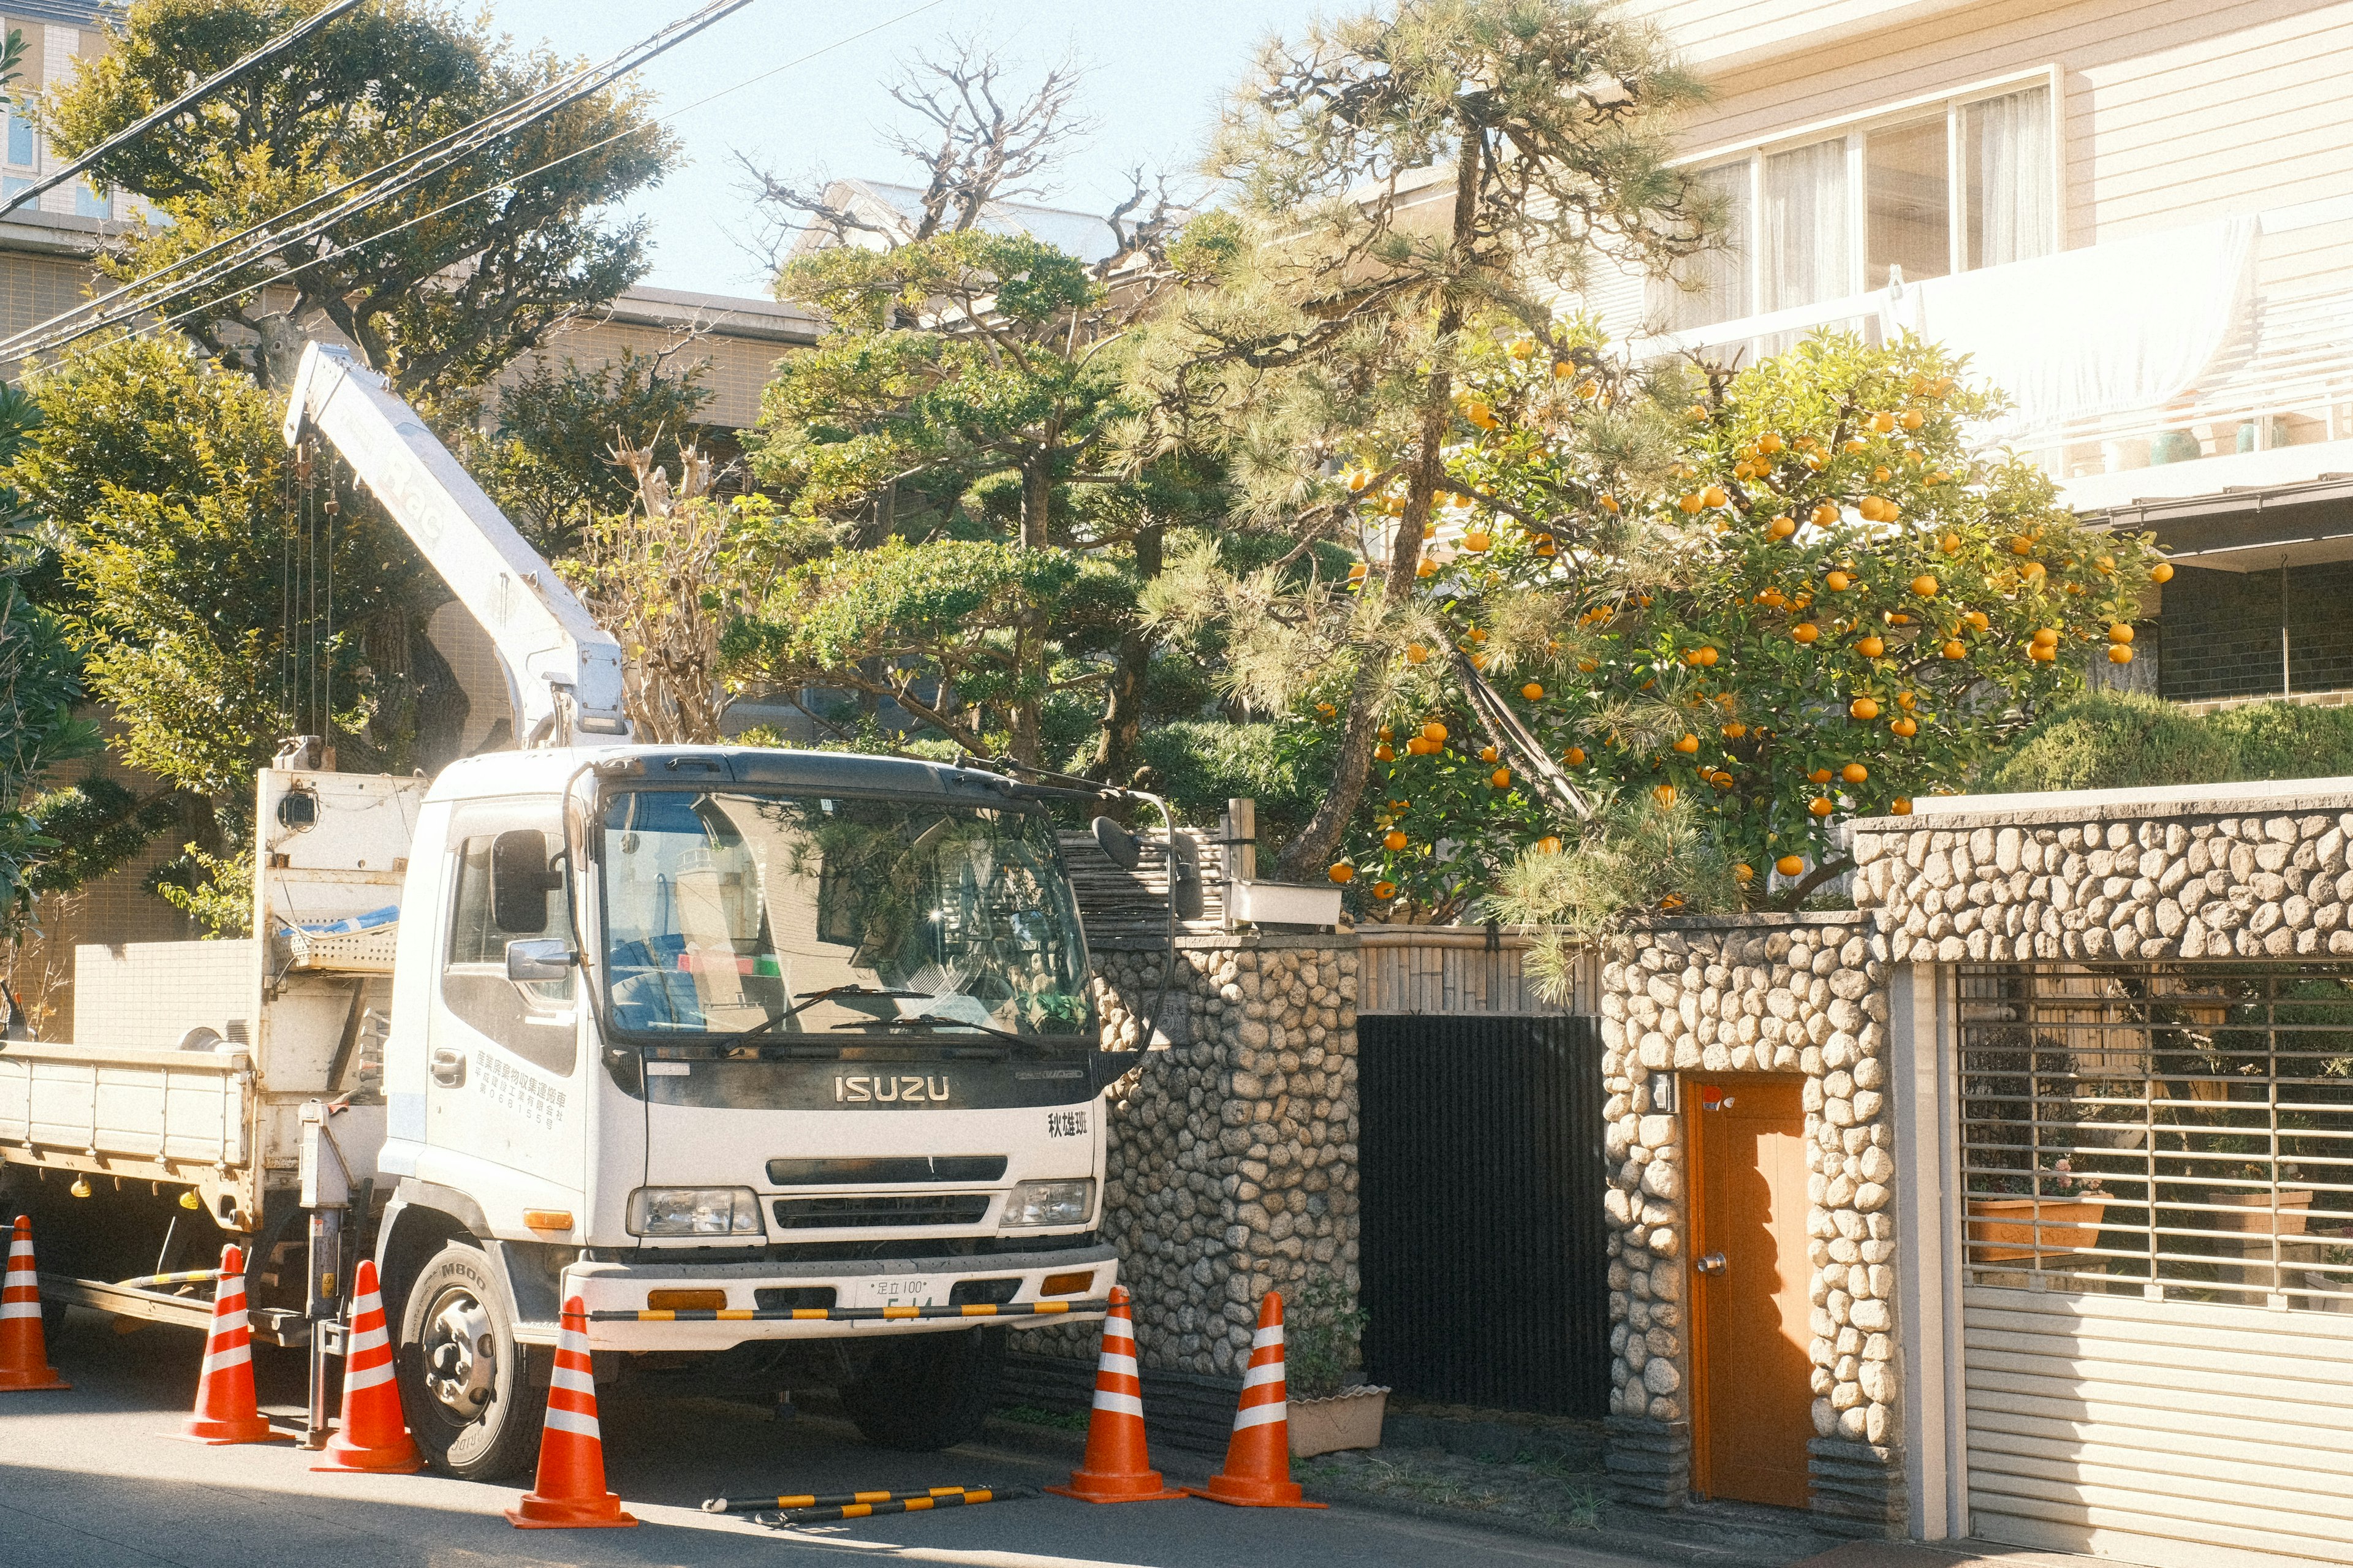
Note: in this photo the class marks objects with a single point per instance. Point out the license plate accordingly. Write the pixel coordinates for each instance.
(903, 1290)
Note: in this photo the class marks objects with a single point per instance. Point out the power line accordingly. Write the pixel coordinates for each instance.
(531, 174)
(188, 99)
(399, 174)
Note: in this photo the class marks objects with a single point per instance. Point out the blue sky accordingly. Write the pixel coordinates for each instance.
(1156, 75)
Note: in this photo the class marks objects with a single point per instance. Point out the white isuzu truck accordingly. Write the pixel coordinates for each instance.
(784, 1062)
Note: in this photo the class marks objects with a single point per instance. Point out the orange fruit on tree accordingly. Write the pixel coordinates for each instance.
(1789, 865)
(1393, 839)
(1805, 631)
(1820, 805)
(1854, 773)
(1863, 707)
(1341, 871)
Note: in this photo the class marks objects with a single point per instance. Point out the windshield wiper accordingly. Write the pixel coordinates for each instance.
(829, 994)
(924, 1021)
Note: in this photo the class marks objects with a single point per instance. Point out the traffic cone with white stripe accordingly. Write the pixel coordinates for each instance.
(1258, 1459)
(24, 1352)
(372, 1436)
(225, 1412)
(569, 1493)
(1116, 1468)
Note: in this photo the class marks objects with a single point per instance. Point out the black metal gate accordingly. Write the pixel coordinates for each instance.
(1484, 1271)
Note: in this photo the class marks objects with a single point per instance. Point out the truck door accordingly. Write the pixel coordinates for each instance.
(504, 1112)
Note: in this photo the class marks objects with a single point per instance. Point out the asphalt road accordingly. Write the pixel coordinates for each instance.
(89, 1479)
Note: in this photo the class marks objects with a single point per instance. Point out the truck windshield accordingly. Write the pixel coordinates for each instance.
(840, 917)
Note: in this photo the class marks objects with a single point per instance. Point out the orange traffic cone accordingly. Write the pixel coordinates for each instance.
(1258, 1459)
(372, 1436)
(225, 1412)
(570, 1492)
(24, 1353)
(1116, 1467)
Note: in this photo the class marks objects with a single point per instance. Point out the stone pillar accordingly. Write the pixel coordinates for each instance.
(1802, 994)
(1232, 1162)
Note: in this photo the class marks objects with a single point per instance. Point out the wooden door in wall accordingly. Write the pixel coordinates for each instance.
(1752, 1395)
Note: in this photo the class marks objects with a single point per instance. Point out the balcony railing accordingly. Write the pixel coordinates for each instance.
(2270, 405)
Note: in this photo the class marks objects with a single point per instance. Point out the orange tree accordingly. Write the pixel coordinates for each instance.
(1752, 605)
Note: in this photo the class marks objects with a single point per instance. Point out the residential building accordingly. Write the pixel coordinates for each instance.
(2136, 218)
(2135, 215)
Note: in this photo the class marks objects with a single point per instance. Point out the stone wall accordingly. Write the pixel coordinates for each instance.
(2148, 882)
(1770, 994)
(1232, 1159)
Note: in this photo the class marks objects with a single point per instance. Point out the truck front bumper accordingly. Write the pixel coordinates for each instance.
(624, 1312)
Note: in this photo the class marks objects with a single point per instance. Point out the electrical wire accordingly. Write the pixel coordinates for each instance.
(188, 99)
(513, 181)
(399, 174)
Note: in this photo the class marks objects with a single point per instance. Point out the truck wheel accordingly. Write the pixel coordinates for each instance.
(461, 1376)
(927, 1391)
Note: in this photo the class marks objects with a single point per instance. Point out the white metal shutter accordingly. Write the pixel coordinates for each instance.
(2179, 1433)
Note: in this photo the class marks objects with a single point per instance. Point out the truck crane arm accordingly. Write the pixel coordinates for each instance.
(563, 671)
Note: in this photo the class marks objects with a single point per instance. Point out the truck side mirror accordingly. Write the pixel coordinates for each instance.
(521, 879)
(1125, 849)
(532, 960)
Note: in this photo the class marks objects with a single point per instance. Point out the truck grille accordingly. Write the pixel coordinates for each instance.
(913, 1209)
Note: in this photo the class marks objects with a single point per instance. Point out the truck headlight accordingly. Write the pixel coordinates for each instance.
(1049, 1203)
(694, 1210)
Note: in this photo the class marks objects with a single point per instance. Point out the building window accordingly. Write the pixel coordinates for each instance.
(22, 151)
(1938, 189)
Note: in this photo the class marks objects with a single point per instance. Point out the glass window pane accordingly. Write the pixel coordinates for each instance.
(1910, 199)
(1806, 231)
(2006, 153)
(1713, 286)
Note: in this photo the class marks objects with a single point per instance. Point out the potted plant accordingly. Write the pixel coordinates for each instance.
(2061, 1214)
(1322, 1324)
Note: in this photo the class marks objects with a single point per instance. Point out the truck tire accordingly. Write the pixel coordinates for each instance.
(462, 1381)
(927, 1391)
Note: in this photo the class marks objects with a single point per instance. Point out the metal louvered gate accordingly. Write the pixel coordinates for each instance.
(1483, 1256)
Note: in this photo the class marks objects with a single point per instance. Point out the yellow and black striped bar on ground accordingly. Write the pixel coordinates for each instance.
(841, 1314)
(870, 1509)
(828, 1499)
(157, 1281)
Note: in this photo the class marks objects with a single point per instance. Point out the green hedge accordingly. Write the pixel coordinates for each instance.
(2108, 740)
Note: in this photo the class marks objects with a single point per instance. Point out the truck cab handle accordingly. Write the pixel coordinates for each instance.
(448, 1066)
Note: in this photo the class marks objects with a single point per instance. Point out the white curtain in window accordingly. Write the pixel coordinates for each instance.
(2006, 141)
(1720, 273)
(1808, 239)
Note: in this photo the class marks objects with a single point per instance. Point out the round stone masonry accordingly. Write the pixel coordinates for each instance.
(2272, 884)
(1231, 1163)
(1802, 994)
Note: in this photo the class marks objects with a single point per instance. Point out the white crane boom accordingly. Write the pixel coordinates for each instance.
(563, 671)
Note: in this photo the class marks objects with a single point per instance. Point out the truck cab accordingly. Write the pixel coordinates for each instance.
(744, 1048)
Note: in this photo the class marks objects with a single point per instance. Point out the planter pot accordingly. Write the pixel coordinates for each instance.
(1348, 1419)
(2005, 1229)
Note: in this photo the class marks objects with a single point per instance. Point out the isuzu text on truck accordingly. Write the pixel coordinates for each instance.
(670, 1029)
